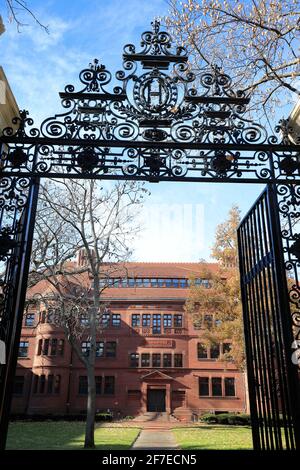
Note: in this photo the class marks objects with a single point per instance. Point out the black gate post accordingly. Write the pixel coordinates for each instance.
(17, 284)
(248, 349)
(273, 378)
(292, 374)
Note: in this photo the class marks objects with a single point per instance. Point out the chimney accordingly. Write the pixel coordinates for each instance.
(82, 259)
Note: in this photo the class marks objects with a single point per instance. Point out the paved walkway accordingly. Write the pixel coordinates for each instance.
(152, 439)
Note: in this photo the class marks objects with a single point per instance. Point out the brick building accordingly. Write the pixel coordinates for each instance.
(149, 357)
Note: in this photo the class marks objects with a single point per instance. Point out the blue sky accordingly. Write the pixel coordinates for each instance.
(179, 219)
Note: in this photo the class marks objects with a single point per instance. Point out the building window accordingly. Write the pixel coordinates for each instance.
(161, 282)
(29, 319)
(42, 383)
(156, 360)
(50, 382)
(131, 282)
(35, 383)
(178, 321)
(183, 283)
(145, 360)
(61, 346)
(208, 320)
(134, 360)
(168, 282)
(57, 384)
(139, 282)
(156, 326)
(104, 320)
(109, 385)
(214, 351)
(124, 282)
(53, 347)
(110, 349)
(116, 320)
(146, 319)
(167, 360)
(84, 320)
(98, 380)
(203, 386)
(226, 348)
(201, 351)
(146, 283)
(85, 348)
(175, 282)
(45, 347)
(178, 360)
(50, 316)
(216, 385)
(154, 282)
(167, 321)
(100, 349)
(135, 320)
(23, 349)
(197, 322)
(43, 316)
(39, 348)
(229, 386)
(18, 385)
(83, 385)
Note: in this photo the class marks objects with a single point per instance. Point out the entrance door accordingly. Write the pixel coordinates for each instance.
(156, 400)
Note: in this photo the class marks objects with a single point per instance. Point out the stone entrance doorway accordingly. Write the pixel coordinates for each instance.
(156, 400)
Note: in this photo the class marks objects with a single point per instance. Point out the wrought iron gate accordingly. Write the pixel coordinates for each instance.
(273, 378)
(160, 123)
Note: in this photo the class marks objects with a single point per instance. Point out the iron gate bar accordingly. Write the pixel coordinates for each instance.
(19, 269)
(285, 322)
(280, 352)
(260, 231)
(155, 145)
(273, 379)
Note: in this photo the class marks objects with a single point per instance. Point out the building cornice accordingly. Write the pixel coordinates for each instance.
(8, 105)
(294, 123)
(2, 27)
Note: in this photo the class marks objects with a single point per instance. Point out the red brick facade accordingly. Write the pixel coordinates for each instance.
(150, 357)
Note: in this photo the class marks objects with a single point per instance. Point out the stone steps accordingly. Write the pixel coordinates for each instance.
(155, 417)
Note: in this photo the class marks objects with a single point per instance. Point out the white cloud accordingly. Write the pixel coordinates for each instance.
(172, 232)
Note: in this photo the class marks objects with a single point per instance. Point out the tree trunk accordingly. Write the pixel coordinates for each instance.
(91, 399)
(91, 409)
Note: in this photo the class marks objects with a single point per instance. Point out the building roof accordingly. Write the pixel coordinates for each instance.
(135, 269)
(180, 270)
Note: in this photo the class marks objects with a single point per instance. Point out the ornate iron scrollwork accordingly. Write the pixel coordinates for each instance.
(155, 105)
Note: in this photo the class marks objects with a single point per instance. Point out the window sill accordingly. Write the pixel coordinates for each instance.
(84, 395)
(219, 397)
(46, 394)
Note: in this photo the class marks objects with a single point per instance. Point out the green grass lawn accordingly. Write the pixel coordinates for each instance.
(214, 437)
(66, 436)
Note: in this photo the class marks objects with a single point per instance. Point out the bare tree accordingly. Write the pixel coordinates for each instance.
(256, 42)
(78, 215)
(16, 9)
